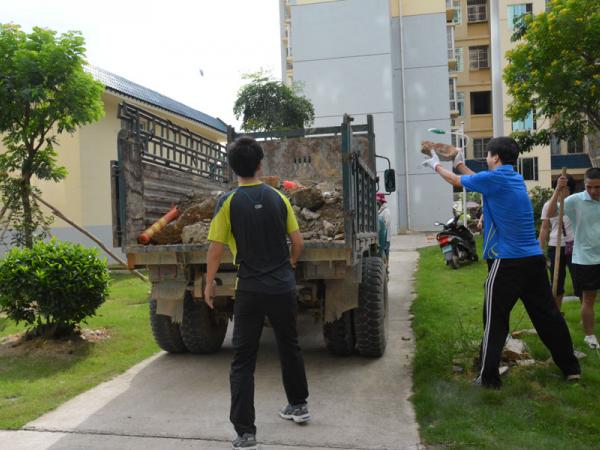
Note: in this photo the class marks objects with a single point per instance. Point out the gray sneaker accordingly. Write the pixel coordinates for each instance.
(247, 441)
(297, 413)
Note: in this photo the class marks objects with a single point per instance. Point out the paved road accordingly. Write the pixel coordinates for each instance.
(181, 401)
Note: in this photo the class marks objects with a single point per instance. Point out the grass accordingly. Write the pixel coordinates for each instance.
(46, 374)
(535, 409)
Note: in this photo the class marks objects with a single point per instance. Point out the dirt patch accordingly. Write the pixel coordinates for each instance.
(22, 344)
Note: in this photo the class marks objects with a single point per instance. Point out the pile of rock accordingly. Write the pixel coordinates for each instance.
(319, 209)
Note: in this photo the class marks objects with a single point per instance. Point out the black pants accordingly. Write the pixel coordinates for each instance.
(565, 261)
(527, 279)
(250, 309)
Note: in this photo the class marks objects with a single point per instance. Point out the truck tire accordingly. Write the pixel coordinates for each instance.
(339, 335)
(371, 316)
(166, 333)
(200, 332)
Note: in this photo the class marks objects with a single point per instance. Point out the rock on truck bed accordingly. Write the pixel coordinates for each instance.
(319, 209)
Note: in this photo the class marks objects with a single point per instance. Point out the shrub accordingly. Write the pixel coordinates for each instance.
(539, 196)
(53, 286)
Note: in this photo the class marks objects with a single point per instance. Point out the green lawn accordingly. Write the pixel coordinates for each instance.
(535, 409)
(43, 374)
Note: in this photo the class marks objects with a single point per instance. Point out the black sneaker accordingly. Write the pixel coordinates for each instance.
(297, 413)
(247, 441)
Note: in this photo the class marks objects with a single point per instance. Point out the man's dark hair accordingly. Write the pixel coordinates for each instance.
(571, 183)
(592, 173)
(244, 155)
(506, 148)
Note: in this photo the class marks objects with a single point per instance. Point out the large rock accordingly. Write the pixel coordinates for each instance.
(311, 198)
(171, 234)
(444, 151)
(197, 212)
(307, 214)
(196, 233)
(514, 350)
(194, 213)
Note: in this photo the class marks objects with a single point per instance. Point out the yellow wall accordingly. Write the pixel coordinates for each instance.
(470, 35)
(416, 7)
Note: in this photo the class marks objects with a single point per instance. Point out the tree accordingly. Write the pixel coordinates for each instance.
(265, 104)
(554, 71)
(44, 92)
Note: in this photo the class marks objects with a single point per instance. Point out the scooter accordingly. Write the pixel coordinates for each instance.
(457, 243)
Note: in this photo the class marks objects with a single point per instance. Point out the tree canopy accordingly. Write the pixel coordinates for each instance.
(554, 71)
(265, 104)
(44, 91)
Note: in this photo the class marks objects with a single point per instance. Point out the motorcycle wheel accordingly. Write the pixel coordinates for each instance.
(454, 262)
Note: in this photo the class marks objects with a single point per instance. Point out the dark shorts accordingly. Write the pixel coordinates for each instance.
(587, 276)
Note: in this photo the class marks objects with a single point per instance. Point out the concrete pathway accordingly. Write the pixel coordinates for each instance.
(182, 401)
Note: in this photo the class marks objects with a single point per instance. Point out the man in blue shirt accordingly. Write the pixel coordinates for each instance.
(516, 265)
(583, 209)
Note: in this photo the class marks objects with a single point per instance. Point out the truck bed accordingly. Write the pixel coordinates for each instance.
(140, 255)
(159, 163)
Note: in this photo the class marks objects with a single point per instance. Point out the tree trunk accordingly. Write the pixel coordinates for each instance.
(27, 213)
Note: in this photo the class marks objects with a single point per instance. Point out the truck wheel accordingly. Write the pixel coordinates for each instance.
(166, 333)
(371, 316)
(200, 331)
(339, 335)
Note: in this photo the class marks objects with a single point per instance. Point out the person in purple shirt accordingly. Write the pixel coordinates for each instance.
(516, 264)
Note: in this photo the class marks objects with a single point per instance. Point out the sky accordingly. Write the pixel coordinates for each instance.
(166, 45)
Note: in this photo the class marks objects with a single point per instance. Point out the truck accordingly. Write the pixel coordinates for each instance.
(342, 283)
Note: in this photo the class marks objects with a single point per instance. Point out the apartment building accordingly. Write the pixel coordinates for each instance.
(387, 58)
(482, 36)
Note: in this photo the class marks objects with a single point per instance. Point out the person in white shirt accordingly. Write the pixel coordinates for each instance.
(549, 237)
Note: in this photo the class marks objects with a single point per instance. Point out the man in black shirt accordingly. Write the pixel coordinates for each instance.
(254, 221)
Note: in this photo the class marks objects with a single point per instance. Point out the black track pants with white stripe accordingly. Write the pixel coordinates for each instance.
(527, 279)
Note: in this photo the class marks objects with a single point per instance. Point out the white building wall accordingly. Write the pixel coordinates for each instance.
(346, 56)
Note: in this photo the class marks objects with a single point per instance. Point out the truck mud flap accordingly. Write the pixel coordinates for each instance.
(340, 296)
(169, 296)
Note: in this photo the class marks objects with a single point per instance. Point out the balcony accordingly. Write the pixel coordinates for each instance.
(573, 161)
(452, 63)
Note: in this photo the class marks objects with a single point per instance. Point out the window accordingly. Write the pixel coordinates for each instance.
(575, 146)
(460, 103)
(478, 57)
(450, 41)
(479, 151)
(528, 167)
(457, 141)
(458, 55)
(554, 145)
(457, 12)
(526, 124)
(452, 91)
(476, 10)
(515, 12)
(481, 102)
